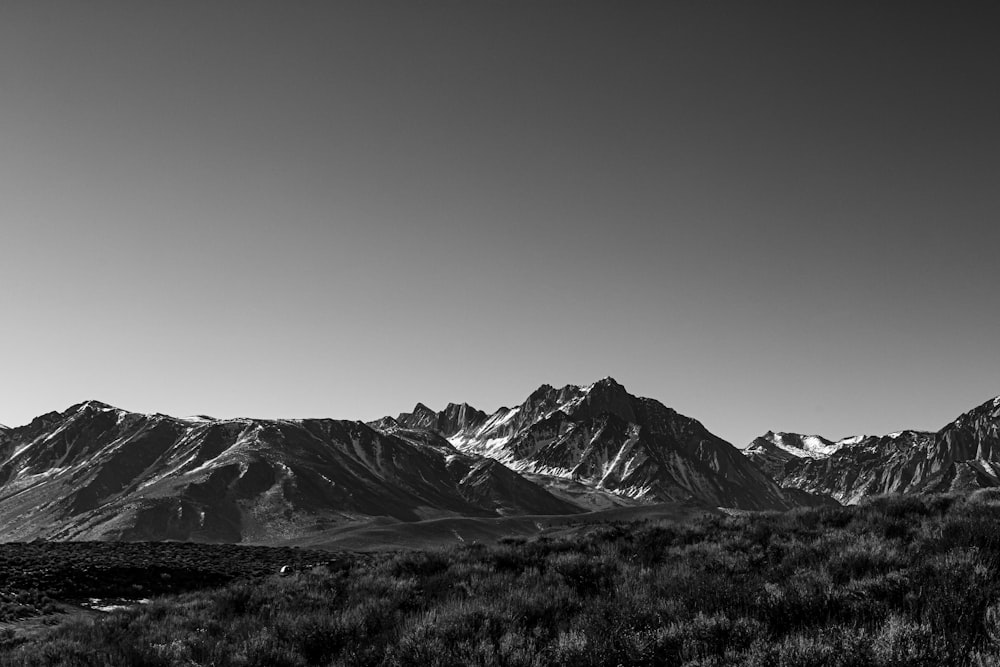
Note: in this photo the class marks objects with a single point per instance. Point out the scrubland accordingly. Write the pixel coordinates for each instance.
(897, 581)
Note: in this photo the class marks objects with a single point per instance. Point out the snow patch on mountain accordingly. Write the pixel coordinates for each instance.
(812, 446)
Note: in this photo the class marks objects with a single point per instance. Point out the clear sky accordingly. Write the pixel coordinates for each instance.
(766, 215)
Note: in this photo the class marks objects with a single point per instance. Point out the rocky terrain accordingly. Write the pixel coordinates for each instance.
(963, 456)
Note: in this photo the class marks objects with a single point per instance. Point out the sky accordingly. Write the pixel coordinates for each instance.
(765, 215)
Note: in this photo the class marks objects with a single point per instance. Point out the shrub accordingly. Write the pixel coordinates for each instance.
(909, 581)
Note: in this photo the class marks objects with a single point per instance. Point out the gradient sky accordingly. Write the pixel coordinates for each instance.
(766, 215)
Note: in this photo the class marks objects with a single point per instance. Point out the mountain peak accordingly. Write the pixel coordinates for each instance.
(541, 392)
(602, 437)
(606, 387)
(608, 381)
(384, 424)
(93, 404)
(420, 408)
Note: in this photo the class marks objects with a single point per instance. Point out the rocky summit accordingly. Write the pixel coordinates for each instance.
(607, 441)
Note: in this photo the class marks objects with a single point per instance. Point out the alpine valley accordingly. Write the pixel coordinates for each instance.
(570, 454)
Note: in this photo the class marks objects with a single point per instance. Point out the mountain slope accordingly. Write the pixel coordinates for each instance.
(962, 456)
(97, 472)
(609, 439)
(860, 467)
(966, 452)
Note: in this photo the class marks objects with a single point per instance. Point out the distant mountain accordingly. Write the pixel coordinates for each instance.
(98, 472)
(962, 456)
(847, 470)
(772, 451)
(452, 419)
(608, 440)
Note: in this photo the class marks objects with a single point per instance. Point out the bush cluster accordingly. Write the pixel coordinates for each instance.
(18, 604)
(78, 570)
(893, 582)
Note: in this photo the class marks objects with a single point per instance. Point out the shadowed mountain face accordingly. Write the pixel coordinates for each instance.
(962, 456)
(604, 437)
(97, 472)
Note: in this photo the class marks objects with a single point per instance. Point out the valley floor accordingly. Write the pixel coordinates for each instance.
(902, 581)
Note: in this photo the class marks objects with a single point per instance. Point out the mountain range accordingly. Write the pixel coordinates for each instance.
(963, 455)
(98, 472)
(94, 471)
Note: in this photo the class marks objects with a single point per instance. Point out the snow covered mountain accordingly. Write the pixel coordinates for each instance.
(98, 472)
(962, 456)
(772, 451)
(608, 440)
